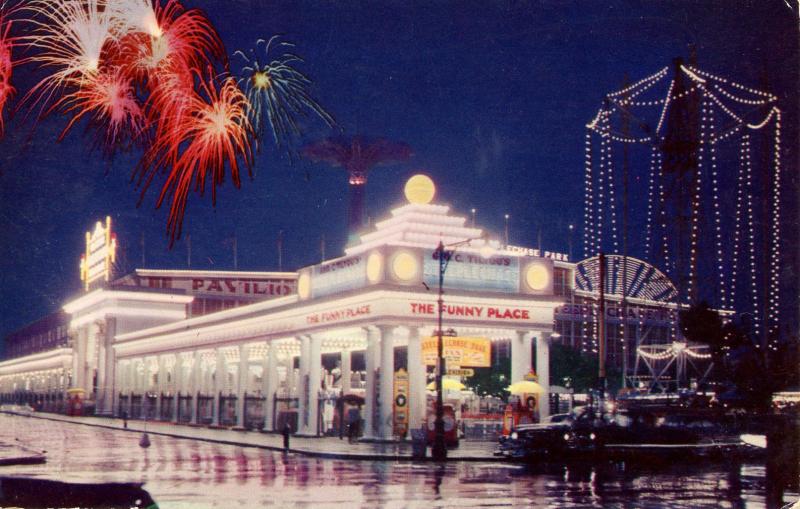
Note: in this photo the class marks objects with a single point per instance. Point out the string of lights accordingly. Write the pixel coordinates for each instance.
(719, 237)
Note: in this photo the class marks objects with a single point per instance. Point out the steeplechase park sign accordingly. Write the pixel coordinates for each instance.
(473, 352)
(529, 251)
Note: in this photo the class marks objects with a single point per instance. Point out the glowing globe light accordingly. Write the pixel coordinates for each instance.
(537, 277)
(404, 266)
(420, 189)
(304, 286)
(374, 267)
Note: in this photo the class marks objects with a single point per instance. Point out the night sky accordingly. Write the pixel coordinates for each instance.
(492, 96)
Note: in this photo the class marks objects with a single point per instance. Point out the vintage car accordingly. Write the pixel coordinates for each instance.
(562, 436)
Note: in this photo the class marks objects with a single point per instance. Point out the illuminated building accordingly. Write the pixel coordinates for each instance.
(143, 345)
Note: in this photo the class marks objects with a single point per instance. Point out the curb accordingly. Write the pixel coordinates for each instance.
(305, 452)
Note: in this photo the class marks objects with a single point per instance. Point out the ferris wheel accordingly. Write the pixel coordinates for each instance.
(625, 276)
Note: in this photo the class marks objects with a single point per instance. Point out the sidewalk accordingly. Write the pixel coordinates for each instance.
(325, 447)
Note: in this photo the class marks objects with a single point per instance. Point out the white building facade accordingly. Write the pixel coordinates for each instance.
(260, 364)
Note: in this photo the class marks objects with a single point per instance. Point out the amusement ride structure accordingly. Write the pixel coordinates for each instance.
(707, 150)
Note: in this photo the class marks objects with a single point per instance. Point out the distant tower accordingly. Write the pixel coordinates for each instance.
(357, 155)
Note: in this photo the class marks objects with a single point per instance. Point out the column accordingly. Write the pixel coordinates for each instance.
(386, 397)
(370, 392)
(145, 381)
(417, 398)
(270, 384)
(196, 381)
(79, 357)
(303, 386)
(241, 384)
(219, 379)
(177, 374)
(347, 371)
(543, 371)
(291, 379)
(161, 386)
(132, 372)
(521, 344)
(314, 367)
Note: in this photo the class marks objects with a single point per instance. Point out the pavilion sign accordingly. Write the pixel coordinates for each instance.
(459, 351)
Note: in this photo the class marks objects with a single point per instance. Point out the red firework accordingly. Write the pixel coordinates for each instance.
(135, 69)
(6, 67)
(176, 39)
(215, 132)
(109, 99)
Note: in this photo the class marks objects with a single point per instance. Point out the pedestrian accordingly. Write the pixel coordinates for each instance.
(125, 420)
(353, 422)
(287, 430)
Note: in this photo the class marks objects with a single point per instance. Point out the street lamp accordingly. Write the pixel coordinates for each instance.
(439, 450)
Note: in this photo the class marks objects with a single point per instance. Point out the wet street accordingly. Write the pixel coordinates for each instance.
(187, 473)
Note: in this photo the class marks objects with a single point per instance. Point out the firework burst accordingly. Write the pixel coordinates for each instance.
(216, 133)
(108, 98)
(159, 41)
(277, 93)
(69, 38)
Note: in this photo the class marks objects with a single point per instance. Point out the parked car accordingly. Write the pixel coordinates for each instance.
(562, 436)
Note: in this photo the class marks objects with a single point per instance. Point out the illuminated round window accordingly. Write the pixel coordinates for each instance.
(374, 267)
(420, 189)
(537, 277)
(304, 285)
(405, 266)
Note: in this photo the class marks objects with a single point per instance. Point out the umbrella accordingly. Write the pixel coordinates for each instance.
(448, 384)
(525, 387)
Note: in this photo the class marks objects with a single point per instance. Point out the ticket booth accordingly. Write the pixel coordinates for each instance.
(75, 402)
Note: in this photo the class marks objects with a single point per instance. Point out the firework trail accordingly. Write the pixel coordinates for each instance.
(217, 133)
(145, 71)
(278, 93)
(159, 41)
(69, 38)
(6, 63)
(109, 99)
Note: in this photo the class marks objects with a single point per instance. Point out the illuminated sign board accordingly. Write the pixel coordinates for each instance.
(338, 276)
(529, 251)
(98, 260)
(458, 351)
(614, 314)
(470, 271)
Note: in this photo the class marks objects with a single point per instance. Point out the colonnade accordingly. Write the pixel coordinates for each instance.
(266, 370)
(44, 389)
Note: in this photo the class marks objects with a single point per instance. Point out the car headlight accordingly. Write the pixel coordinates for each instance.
(592, 436)
(514, 435)
(566, 436)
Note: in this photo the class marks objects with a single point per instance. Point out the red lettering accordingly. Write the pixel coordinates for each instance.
(197, 283)
(214, 285)
(421, 308)
(230, 285)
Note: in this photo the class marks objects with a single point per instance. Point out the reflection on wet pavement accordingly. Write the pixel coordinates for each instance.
(188, 473)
